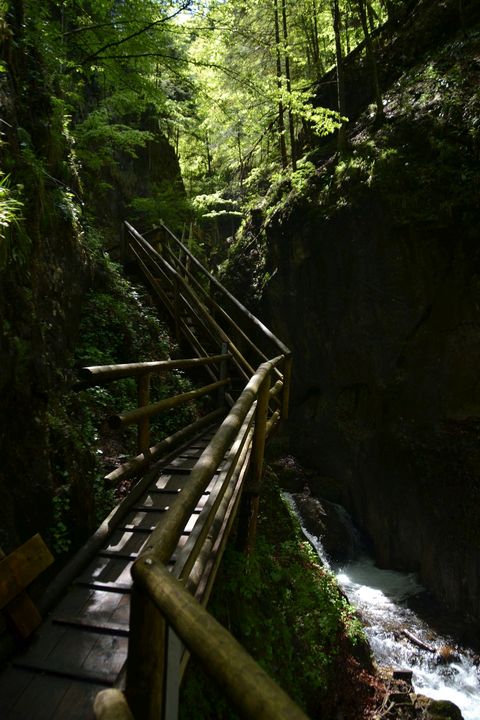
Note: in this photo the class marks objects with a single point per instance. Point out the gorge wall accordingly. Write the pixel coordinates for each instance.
(385, 328)
(375, 286)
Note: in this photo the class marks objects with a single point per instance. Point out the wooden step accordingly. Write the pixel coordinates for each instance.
(104, 628)
(98, 677)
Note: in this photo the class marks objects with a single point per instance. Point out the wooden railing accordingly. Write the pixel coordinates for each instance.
(167, 617)
(203, 310)
(142, 372)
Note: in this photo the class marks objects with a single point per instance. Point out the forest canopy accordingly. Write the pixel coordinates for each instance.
(231, 84)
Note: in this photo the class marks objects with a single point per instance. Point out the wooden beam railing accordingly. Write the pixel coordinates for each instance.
(167, 622)
(185, 306)
(152, 616)
(142, 372)
(173, 263)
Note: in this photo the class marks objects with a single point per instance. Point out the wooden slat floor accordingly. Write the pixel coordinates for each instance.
(81, 647)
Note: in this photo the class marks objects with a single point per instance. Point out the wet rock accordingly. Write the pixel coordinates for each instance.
(327, 487)
(291, 476)
(447, 655)
(331, 523)
(404, 675)
(438, 709)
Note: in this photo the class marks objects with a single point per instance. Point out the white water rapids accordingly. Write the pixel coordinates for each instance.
(381, 597)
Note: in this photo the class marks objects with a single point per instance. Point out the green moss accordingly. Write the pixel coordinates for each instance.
(287, 611)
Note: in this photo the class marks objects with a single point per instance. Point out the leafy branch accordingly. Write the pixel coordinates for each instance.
(121, 41)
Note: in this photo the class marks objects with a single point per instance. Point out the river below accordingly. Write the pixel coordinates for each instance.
(442, 669)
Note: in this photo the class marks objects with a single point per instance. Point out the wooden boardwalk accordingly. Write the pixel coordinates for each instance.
(176, 518)
(81, 647)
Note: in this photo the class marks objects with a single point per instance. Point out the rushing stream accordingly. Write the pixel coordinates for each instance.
(442, 670)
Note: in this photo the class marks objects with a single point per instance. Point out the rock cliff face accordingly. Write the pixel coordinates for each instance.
(376, 289)
(43, 275)
(385, 327)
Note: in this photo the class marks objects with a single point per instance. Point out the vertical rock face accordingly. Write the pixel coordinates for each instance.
(43, 275)
(384, 322)
(375, 279)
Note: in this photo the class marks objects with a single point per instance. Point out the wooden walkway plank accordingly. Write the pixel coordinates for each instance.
(99, 607)
(77, 703)
(13, 684)
(40, 699)
(124, 541)
(108, 569)
(82, 647)
(107, 651)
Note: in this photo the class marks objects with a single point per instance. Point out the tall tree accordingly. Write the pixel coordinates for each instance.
(281, 109)
(288, 85)
(363, 6)
(342, 133)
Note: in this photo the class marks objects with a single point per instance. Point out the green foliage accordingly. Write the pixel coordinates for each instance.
(99, 139)
(104, 498)
(167, 203)
(213, 204)
(285, 608)
(11, 207)
(116, 326)
(241, 75)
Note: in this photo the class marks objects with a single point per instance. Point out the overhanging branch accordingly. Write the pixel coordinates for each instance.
(149, 26)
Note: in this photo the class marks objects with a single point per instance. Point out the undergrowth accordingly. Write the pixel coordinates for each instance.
(287, 611)
(118, 324)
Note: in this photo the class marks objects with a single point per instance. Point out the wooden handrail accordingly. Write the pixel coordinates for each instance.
(145, 686)
(219, 309)
(252, 692)
(255, 321)
(147, 411)
(163, 542)
(162, 610)
(99, 374)
(139, 463)
(194, 304)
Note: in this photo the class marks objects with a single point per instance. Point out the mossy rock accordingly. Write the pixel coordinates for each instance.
(443, 710)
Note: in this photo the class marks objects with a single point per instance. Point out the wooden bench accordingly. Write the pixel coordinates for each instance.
(17, 571)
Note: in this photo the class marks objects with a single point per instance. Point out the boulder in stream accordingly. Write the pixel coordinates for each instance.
(439, 709)
(331, 523)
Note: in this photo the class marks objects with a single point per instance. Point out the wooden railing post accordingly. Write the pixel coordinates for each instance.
(173, 657)
(111, 705)
(123, 245)
(143, 397)
(287, 381)
(223, 375)
(176, 308)
(146, 662)
(248, 513)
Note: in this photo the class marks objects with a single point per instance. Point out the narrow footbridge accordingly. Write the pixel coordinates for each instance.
(125, 615)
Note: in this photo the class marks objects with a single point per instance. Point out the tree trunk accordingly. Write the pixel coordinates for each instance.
(362, 10)
(347, 36)
(209, 157)
(281, 111)
(291, 126)
(316, 48)
(342, 133)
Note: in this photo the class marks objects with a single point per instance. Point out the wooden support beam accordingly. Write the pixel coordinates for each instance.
(143, 399)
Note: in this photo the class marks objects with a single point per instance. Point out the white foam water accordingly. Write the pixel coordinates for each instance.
(396, 632)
